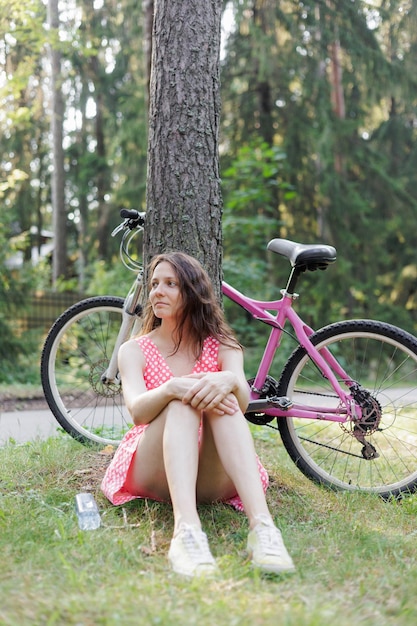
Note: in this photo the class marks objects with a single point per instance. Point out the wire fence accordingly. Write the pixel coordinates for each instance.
(38, 310)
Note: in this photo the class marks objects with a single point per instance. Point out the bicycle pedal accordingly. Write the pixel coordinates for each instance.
(282, 402)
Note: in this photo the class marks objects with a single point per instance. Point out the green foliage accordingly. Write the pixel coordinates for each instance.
(19, 346)
(252, 184)
(251, 180)
(330, 86)
(23, 126)
(318, 143)
(109, 279)
(107, 152)
(14, 347)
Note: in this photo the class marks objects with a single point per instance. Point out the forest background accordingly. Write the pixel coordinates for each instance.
(317, 143)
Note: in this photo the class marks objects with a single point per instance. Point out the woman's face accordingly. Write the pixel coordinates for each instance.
(165, 295)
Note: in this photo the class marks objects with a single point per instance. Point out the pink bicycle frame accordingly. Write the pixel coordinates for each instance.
(327, 364)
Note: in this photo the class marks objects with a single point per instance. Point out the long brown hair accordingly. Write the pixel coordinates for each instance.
(201, 313)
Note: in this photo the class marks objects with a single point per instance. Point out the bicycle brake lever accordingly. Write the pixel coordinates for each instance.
(120, 227)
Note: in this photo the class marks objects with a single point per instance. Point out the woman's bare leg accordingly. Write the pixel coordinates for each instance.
(234, 444)
(169, 466)
(146, 476)
(181, 457)
(170, 463)
(165, 465)
(235, 449)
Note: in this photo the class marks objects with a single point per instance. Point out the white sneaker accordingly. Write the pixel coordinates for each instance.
(267, 550)
(189, 553)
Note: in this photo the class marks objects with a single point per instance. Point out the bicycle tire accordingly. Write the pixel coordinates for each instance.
(75, 354)
(383, 359)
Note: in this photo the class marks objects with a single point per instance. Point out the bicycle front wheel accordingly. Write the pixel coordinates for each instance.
(381, 456)
(75, 355)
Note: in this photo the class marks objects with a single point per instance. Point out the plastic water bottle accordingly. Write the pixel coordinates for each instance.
(87, 511)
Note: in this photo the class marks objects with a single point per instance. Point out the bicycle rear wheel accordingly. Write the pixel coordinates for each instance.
(75, 355)
(383, 360)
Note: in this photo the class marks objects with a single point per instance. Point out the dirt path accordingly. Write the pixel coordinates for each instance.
(11, 402)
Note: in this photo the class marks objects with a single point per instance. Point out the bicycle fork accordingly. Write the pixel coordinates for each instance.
(131, 321)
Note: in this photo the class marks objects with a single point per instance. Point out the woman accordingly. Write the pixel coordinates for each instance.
(185, 388)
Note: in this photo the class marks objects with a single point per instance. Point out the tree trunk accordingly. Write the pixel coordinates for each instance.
(336, 86)
(148, 11)
(184, 203)
(59, 259)
(102, 173)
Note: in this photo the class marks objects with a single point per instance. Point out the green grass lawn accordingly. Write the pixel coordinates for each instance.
(356, 556)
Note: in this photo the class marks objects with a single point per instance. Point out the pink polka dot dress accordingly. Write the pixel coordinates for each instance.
(157, 372)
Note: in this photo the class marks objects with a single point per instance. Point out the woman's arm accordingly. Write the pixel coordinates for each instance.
(143, 405)
(226, 390)
(223, 391)
(231, 360)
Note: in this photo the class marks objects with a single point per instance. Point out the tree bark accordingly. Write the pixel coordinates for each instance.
(102, 175)
(148, 12)
(184, 202)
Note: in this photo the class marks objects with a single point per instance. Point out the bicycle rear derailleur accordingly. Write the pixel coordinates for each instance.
(369, 421)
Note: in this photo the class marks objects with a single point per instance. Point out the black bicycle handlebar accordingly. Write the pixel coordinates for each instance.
(135, 217)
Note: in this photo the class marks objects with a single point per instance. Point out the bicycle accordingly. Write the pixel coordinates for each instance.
(345, 402)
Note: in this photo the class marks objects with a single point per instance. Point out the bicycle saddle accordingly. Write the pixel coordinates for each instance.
(304, 256)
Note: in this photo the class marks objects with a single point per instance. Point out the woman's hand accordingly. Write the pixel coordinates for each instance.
(211, 391)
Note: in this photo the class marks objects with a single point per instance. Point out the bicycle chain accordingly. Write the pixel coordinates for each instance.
(368, 451)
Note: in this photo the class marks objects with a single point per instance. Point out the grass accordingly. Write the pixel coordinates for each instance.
(356, 556)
